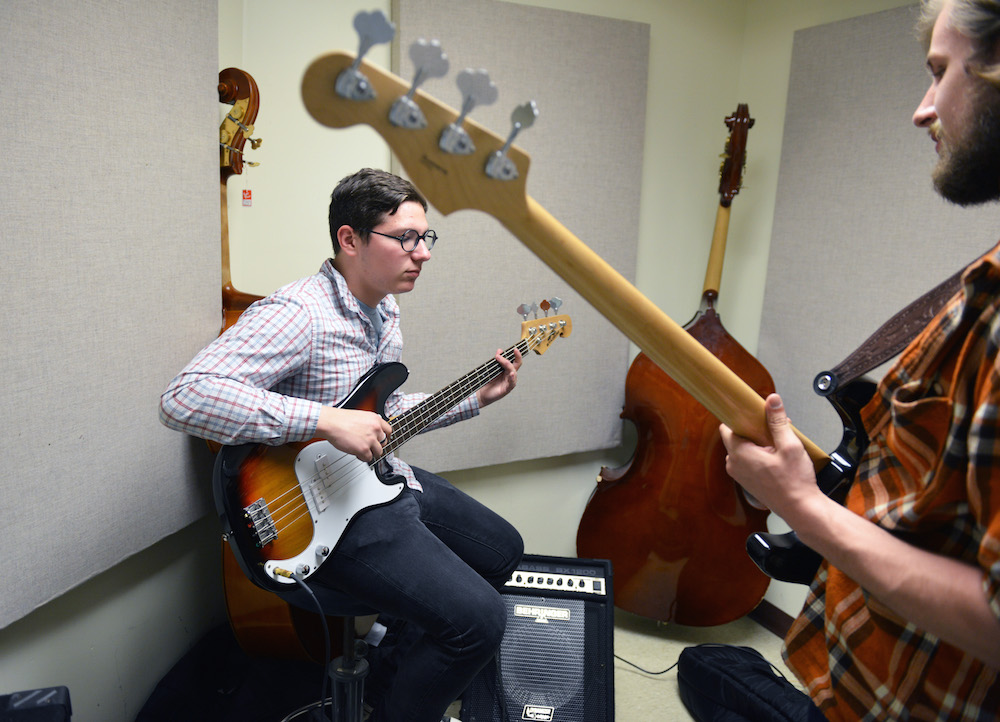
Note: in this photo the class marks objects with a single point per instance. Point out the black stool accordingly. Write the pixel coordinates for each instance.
(347, 672)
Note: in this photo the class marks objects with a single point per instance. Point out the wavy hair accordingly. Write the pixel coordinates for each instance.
(978, 20)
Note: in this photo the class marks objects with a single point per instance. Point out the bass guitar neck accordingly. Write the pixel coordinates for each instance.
(456, 181)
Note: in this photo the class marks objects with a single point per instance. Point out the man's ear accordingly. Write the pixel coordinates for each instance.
(349, 240)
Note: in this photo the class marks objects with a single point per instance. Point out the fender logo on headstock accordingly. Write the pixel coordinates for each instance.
(432, 165)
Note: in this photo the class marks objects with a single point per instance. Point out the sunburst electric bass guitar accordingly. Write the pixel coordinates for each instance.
(285, 508)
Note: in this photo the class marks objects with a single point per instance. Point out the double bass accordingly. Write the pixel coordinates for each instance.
(263, 624)
(671, 520)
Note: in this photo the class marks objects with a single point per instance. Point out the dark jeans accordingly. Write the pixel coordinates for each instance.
(434, 559)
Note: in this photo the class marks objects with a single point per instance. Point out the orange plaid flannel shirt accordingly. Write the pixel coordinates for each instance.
(931, 474)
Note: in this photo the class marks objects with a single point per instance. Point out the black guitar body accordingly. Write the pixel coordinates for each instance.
(783, 556)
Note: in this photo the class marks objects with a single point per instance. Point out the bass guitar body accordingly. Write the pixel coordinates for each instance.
(285, 508)
(671, 521)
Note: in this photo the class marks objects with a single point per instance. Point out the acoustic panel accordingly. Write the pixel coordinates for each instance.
(557, 655)
(858, 230)
(586, 148)
(109, 214)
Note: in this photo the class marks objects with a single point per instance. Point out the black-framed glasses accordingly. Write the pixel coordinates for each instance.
(409, 240)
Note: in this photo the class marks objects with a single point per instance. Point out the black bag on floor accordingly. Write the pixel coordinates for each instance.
(724, 683)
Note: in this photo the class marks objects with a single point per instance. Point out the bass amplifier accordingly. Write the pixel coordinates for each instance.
(556, 660)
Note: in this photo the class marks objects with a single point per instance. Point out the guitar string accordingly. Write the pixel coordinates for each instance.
(455, 391)
(406, 430)
(411, 422)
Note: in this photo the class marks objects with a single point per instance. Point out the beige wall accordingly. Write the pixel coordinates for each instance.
(114, 637)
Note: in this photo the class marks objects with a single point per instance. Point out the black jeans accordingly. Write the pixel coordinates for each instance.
(436, 560)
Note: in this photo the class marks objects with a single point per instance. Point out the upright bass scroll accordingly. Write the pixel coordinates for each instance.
(239, 89)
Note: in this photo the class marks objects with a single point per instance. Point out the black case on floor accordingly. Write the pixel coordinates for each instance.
(50, 704)
(725, 683)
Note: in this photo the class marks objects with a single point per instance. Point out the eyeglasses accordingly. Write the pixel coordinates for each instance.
(409, 240)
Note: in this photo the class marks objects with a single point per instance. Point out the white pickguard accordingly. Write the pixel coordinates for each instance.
(336, 486)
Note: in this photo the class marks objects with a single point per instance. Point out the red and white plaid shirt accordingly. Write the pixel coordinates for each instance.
(303, 347)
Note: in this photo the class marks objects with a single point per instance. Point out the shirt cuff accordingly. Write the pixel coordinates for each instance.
(303, 418)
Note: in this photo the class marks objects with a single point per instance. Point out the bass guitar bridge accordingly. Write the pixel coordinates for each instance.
(260, 523)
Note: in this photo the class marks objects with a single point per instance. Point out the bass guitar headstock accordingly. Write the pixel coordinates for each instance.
(537, 335)
(456, 163)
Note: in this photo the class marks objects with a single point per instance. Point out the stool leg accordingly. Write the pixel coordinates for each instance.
(347, 674)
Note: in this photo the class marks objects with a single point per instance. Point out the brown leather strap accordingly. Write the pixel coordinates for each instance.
(890, 339)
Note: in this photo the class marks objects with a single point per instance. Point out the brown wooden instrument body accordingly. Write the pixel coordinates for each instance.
(672, 521)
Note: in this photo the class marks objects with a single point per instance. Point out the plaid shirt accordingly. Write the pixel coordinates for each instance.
(932, 475)
(303, 347)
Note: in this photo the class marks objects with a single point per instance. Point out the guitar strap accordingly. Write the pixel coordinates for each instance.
(890, 338)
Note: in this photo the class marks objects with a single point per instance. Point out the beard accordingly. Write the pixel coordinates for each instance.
(968, 170)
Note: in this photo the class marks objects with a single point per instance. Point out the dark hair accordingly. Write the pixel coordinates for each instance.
(978, 20)
(364, 199)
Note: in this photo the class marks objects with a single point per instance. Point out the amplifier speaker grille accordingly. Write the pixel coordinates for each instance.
(556, 660)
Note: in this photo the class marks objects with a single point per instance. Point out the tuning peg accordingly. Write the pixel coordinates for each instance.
(477, 89)
(524, 309)
(499, 166)
(373, 29)
(555, 302)
(742, 115)
(430, 62)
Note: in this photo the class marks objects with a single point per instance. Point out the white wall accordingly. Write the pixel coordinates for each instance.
(111, 639)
